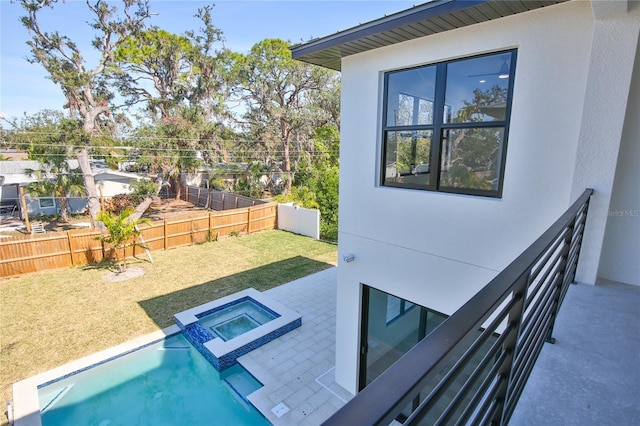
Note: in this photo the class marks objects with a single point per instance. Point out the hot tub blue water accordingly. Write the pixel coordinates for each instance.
(236, 319)
(165, 383)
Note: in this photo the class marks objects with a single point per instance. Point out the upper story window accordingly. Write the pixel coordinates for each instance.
(446, 125)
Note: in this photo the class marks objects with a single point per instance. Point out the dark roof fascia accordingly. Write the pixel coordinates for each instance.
(405, 17)
(429, 18)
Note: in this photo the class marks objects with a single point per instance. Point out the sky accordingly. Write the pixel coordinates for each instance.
(24, 87)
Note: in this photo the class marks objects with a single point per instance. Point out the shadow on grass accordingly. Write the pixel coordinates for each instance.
(162, 308)
(108, 263)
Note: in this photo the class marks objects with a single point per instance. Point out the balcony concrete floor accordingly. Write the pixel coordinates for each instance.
(591, 375)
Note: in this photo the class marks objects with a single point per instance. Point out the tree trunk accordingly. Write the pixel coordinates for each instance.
(287, 168)
(89, 183)
(122, 265)
(176, 183)
(140, 209)
(64, 210)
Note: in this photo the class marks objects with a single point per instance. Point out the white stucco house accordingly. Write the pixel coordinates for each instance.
(468, 128)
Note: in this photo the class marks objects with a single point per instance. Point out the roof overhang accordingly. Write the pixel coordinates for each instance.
(105, 174)
(419, 21)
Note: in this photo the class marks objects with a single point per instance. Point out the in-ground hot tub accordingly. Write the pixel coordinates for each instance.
(232, 321)
(227, 328)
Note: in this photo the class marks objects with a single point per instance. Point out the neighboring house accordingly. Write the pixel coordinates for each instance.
(468, 128)
(109, 183)
(229, 174)
(12, 176)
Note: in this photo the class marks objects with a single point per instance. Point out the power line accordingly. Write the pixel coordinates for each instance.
(149, 174)
(133, 138)
(191, 150)
(230, 160)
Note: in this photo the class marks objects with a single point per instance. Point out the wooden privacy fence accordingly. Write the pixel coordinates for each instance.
(24, 254)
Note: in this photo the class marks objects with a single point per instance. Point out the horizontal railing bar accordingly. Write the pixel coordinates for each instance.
(582, 211)
(572, 259)
(524, 358)
(552, 268)
(518, 385)
(387, 395)
(538, 334)
(451, 374)
(534, 350)
(579, 230)
(545, 302)
(482, 389)
(572, 262)
(525, 336)
(491, 411)
(541, 290)
(549, 253)
(571, 269)
(466, 356)
(580, 222)
(467, 386)
(401, 382)
(476, 374)
(544, 296)
(573, 253)
(576, 244)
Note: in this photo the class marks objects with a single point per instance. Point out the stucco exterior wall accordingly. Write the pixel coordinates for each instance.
(439, 249)
(604, 118)
(621, 246)
(115, 185)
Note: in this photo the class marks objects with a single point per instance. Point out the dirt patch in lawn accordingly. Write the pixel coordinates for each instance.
(127, 274)
(161, 209)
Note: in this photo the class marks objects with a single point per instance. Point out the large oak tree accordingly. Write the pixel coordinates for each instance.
(85, 87)
(180, 81)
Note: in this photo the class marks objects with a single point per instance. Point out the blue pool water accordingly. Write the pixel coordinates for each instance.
(165, 383)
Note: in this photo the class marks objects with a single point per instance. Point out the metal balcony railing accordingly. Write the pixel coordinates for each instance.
(474, 366)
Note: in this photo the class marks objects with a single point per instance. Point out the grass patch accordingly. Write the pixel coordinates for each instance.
(50, 318)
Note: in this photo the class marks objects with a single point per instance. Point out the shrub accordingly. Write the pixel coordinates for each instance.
(121, 235)
(142, 189)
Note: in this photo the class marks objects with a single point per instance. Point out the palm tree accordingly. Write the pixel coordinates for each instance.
(57, 180)
(122, 231)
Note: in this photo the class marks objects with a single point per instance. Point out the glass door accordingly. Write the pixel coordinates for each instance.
(390, 327)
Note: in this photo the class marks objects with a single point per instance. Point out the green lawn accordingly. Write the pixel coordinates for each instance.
(50, 318)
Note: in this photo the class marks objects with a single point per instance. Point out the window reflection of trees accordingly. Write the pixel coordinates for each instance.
(470, 156)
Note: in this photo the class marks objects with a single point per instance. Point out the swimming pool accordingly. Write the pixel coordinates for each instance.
(165, 383)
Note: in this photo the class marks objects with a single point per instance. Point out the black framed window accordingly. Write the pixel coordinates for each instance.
(446, 125)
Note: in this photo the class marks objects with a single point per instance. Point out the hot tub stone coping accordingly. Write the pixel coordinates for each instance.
(190, 316)
(223, 354)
